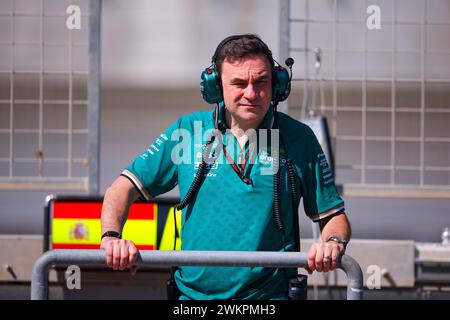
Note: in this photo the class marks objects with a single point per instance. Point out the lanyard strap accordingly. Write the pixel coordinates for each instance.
(239, 171)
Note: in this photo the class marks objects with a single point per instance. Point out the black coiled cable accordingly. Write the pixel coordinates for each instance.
(276, 192)
(291, 174)
(276, 183)
(195, 186)
(277, 200)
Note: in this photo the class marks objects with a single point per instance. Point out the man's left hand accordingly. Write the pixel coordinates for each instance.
(324, 256)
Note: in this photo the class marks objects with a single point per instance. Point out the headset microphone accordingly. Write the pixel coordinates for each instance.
(289, 62)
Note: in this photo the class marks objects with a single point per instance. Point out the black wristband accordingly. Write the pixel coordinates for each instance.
(113, 234)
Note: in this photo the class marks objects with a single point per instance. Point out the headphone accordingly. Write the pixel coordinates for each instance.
(211, 87)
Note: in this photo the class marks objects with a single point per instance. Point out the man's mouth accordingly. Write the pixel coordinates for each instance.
(250, 105)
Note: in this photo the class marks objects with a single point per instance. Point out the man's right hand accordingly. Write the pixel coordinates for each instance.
(120, 254)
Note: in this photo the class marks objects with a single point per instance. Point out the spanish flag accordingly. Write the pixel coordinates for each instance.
(77, 225)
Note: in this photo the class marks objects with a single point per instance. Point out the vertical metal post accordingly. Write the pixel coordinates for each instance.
(364, 109)
(70, 48)
(422, 90)
(94, 97)
(305, 102)
(334, 64)
(284, 42)
(40, 155)
(11, 95)
(393, 92)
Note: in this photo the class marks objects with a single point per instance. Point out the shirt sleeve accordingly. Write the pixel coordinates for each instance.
(320, 196)
(153, 172)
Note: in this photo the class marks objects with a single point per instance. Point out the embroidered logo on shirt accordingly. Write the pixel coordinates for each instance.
(327, 175)
(154, 147)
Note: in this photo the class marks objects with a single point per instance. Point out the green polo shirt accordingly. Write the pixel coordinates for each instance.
(233, 210)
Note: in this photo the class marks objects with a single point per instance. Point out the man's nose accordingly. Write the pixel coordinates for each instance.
(250, 92)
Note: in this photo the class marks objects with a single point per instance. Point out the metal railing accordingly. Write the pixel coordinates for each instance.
(97, 258)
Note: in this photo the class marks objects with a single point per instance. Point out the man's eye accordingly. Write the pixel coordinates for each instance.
(260, 82)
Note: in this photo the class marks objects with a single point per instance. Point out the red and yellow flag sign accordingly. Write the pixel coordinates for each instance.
(77, 225)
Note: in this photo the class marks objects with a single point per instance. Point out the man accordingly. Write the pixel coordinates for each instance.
(233, 206)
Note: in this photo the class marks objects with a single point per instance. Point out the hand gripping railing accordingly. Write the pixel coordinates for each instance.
(153, 258)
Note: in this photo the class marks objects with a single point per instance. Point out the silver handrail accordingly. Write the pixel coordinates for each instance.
(154, 258)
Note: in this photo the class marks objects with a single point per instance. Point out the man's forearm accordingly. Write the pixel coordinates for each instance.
(116, 204)
(337, 225)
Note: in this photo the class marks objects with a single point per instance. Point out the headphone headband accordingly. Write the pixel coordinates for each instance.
(237, 37)
(224, 42)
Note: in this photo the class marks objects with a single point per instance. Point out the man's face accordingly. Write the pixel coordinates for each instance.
(247, 89)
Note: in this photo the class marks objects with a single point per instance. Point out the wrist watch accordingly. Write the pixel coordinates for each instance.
(113, 234)
(342, 241)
